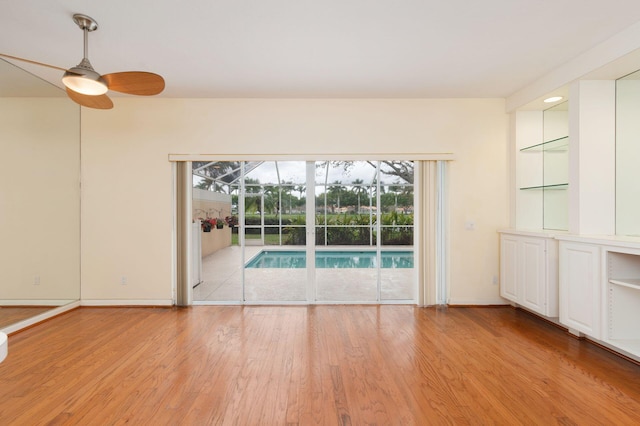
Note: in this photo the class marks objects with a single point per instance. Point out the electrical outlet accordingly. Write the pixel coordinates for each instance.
(123, 280)
(495, 280)
(36, 280)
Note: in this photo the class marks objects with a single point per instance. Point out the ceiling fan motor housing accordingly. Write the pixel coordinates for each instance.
(83, 79)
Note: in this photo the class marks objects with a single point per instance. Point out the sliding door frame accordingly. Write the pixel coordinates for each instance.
(430, 224)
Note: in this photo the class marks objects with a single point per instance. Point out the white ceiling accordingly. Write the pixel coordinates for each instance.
(318, 48)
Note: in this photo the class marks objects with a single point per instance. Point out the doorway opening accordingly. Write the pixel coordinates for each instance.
(305, 231)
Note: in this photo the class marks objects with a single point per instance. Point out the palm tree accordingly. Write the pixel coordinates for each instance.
(252, 186)
(301, 189)
(271, 198)
(333, 194)
(395, 190)
(285, 188)
(359, 190)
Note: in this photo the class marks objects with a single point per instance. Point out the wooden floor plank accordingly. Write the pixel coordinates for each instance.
(10, 315)
(300, 365)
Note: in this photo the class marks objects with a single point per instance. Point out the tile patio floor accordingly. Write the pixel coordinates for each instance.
(222, 281)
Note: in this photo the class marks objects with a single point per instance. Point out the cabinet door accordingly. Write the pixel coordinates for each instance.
(532, 267)
(580, 287)
(509, 267)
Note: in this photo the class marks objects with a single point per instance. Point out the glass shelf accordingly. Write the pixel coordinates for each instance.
(558, 186)
(560, 145)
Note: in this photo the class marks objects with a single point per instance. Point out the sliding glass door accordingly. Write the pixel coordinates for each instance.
(275, 270)
(306, 232)
(364, 231)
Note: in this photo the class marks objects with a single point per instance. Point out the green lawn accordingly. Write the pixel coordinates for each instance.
(269, 239)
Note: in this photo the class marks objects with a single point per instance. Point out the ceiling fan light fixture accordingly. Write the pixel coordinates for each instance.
(83, 79)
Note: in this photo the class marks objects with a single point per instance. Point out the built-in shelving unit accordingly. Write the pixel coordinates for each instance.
(623, 301)
(543, 169)
(598, 271)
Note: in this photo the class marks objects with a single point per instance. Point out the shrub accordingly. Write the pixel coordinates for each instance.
(341, 229)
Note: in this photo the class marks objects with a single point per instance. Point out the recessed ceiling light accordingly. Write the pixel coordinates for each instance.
(553, 99)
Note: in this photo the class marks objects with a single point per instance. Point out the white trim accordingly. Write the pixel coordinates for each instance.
(477, 302)
(126, 302)
(39, 318)
(217, 303)
(314, 157)
(4, 346)
(318, 302)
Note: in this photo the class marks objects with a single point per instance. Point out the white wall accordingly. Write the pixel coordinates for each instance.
(39, 201)
(127, 182)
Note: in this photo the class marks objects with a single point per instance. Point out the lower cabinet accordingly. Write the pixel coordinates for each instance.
(580, 287)
(622, 300)
(529, 271)
(592, 284)
(600, 290)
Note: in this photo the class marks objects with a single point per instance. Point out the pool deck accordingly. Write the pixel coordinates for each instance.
(222, 280)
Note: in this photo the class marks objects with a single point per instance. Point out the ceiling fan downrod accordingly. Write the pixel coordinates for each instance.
(87, 24)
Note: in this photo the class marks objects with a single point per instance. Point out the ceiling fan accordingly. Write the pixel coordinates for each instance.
(88, 88)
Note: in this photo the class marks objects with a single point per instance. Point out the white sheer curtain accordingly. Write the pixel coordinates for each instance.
(432, 240)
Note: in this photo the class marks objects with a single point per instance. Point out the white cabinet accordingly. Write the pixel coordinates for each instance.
(529, 271)
(580, 287)
(622, 300)
(509, 267)
(600, 290)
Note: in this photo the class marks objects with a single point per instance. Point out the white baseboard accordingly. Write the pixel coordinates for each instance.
(490, 302)
(123, 302)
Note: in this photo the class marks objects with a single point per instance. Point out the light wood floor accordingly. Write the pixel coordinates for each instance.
(269, 365)
(12, 314)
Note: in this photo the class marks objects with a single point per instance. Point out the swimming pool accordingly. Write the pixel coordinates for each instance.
(331, 259)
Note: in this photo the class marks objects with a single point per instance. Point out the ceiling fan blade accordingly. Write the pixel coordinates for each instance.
(32, 62)
(98, 102)
(135, 82)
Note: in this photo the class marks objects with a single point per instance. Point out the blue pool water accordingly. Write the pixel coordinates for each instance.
(331, 259)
